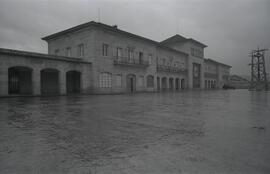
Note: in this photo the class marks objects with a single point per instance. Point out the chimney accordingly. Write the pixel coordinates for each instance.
(114, 26)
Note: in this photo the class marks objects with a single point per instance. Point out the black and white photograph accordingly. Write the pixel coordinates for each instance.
(134, 87)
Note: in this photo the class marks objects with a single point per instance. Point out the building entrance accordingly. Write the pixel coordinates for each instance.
(131, 83)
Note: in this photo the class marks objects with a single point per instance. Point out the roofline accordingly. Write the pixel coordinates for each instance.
(41, 56)
(111, 28)
(211, 60)
(193, 40)
(240, 77)
(78, 27)
(184, 40)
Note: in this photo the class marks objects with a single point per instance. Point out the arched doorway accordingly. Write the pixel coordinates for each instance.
(171, 84)
(131, 83)
(49, 79)
(177, 84)
(73, 82)
(164, 83)
(183, 84)
(158, 83)
(150, 81)
(20, 80)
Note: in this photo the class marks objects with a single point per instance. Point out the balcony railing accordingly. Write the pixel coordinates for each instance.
(171, 69)
(124, 61)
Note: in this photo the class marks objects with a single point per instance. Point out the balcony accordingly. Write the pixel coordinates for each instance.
(124, 61)
(171, 69)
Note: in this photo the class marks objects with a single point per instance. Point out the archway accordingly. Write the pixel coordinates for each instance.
(158, 83)
(131, 83)
(49, 79)
(73, 82)
(177, 84)
(164, 83)
(150, 81)
(20, 80)
(183, 84)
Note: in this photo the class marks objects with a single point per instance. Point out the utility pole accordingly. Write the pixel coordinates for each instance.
(258, 71)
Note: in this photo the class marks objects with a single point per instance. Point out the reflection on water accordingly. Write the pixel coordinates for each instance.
(185, 132)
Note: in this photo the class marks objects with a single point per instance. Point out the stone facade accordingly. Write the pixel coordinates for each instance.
(216, 74)
(14, 66)
(106, 59)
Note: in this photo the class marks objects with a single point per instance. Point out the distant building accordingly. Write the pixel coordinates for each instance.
(239, 82)
(216, 74)
(98, 58)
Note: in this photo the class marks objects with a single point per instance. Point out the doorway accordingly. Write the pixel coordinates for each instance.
(131, 83)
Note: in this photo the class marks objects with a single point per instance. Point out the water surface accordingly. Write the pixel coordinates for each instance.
(185, 132)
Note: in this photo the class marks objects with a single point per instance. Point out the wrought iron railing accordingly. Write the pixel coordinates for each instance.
(130, 62)
(171, 69)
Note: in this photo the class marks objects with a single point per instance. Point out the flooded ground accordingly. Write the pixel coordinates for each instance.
(186, 132)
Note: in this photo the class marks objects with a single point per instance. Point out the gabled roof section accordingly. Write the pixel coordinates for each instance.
(110, 28)
(234, 77)
(96, 24)
(180, 39)
(213, 61)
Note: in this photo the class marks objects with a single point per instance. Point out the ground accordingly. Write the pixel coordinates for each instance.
(184, 132)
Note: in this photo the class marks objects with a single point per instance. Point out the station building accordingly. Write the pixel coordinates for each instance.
(95, 58)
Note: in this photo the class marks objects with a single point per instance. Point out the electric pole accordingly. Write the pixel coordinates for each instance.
(258, 71)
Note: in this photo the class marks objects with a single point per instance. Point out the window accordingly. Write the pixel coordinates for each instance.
(141, 81)
(105, 80)
(140, 57)
(119, 52)
(118, 80)
(164, 61)
(130, 55)
(183, 65)
(105, 48)
(80, 50)
(150, 59)
(192, 51)
(68, 52)
(176, 64)
(150, 81)
(56, 52)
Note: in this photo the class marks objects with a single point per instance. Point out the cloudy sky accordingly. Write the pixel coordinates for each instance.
(231, 29)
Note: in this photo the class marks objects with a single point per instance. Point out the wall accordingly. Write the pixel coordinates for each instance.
(106, 63)
(38, 64)
(224, 73)
(186, 48)
(84, 36)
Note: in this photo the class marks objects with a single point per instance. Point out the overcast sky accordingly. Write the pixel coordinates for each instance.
(231, 29)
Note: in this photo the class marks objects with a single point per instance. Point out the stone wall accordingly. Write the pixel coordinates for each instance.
(36, 64)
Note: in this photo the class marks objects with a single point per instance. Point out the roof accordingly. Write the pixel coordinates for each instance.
(181, 39)
(41, 56)
(110, 28)
(211, 60)
(233, 77)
